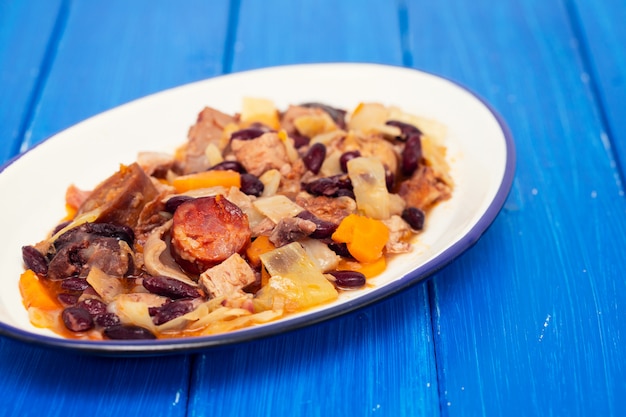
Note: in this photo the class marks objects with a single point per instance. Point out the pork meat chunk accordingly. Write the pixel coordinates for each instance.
(262, 154)
(227, 279)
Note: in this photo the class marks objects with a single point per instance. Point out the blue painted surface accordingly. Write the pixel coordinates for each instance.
(527, 322)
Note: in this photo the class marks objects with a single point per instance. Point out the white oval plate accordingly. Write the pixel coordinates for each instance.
(480, 151)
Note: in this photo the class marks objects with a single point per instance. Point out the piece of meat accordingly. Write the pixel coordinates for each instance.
(291, 229)
(90, 245)
(151, 217)
(75, 197)
(399, 235)
(424, 189)
(228, 278)
(206, 231)
(330, 209)
(156, 164)
(261, 154)
(121, 197)
(208, 129)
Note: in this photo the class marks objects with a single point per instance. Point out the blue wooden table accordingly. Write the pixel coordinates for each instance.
(530, 321)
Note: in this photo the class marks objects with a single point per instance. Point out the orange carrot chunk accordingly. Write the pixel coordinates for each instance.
(364, 236)
(34, 293)
(258, 247)
(206, 179)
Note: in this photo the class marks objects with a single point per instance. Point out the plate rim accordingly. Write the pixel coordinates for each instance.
(414, 277)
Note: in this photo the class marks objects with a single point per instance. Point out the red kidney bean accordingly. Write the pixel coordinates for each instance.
(229, 166)
(338, 115)
(93, 306)
(411, 155)
(107, 320)
(67, 299)
(169, 311)
(345, 157)
(299, 140)
(329, 186)
(314, 157)
(75, 284)
(249, 133)
(77, 319)
(406, 129)
(414, 217)
(348, 279)
(172, 204)
(170, 287)
(340, 249)
(34, 260)
(323, 229)
(390, 180)
(251, 185)
(128, 332)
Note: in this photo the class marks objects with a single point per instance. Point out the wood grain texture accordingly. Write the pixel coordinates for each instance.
(602, 39)
(281, 33)
(39, 382)
(379, 361)
(112, 52)
(25, 47)
(528, 321)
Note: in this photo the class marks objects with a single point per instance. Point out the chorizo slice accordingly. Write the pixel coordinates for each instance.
(206, 231)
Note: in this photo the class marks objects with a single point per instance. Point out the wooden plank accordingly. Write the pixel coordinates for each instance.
(602, 36)
(315, 31)
(125, 50)
(108, 53)
(24, 48)
(40, 381)
(530, 320)
(376, 361)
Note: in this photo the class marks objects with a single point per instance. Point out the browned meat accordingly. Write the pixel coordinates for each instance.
(149, 219)
(424, 189)
(155, 164)
(121, 197)
(291, 229)
(327, 208)
(208, 129)
(261, 154)
(290, 182)
(75, 197)
(228, 278)
(90, 245)
(206, 231)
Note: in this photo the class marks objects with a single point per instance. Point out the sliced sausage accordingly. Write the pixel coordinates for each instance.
(206, 231)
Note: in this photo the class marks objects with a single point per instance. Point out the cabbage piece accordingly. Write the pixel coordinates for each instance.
(107, 287)
(367, 175)
(271, 181)
(295, 282)
(157, 258)
(322, 256)
(277, 207)
(133, 309)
